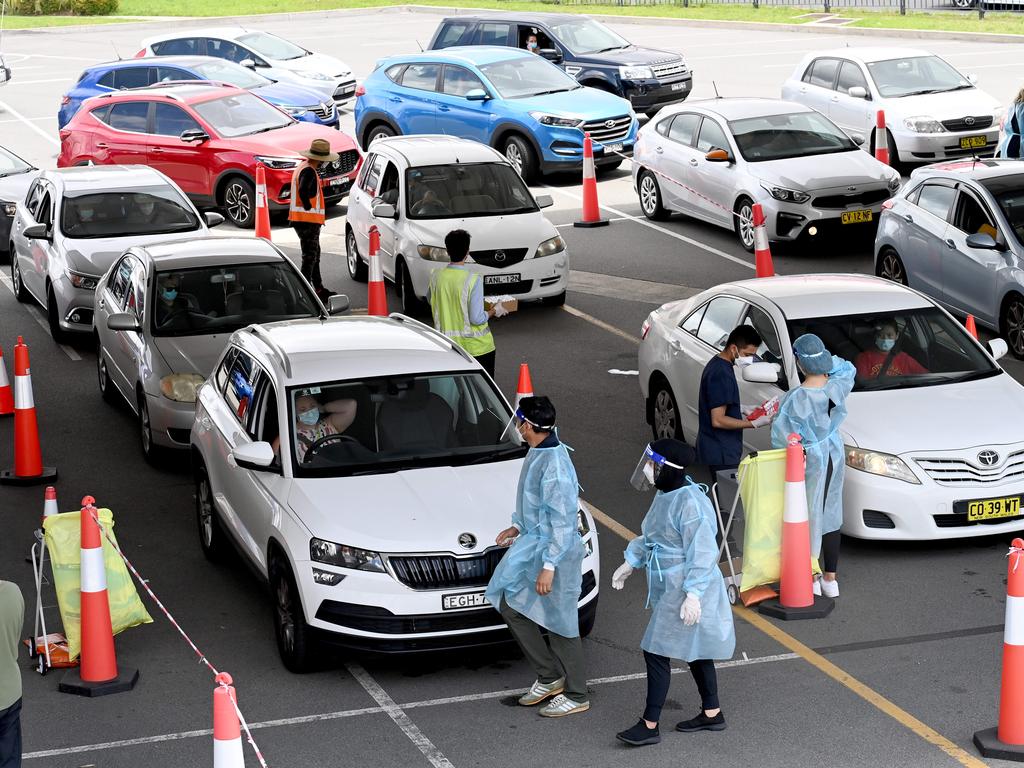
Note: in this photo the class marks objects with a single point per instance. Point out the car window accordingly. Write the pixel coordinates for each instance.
(160, 209)
(394, 72)
(936, 199)
(916, 75)
(241, 385)
(132, 77)
(466, 190)
(421, 76)
(129, 116)
(388, 188)
(850, 76)
(491, 33)
(220, 376)
(691, 322)
(119, 280)
(225, 49)
(458, 81)
(663, 126)
(364, 170)
(822, 72)
(241, 114)
(44, 213)
(452, 34)
(711, 136)
(169, 120)
(263, 421)
(683, 128)
(1008, 192)
(971, 218)
(914, 194)
(770, 350)
(790, 134)
(583, 35)
(107, 81)
(181, 46)
(135, 296)
(167, 74)
(720, 318)
(372, 180)
(35, 194)
(526, 31)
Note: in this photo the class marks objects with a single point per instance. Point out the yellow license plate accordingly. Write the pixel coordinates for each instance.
(973, 142)
(856, 217)
(990, 509)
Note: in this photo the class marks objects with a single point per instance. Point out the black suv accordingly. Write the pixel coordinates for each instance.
(587, 50)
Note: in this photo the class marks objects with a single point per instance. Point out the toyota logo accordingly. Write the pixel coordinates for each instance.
(499, 256)
(609, 123)
(968, 121)
(467, 540)
(988, 458)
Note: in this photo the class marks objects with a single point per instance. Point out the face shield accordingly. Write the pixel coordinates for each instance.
(512, 432)
(650, 466)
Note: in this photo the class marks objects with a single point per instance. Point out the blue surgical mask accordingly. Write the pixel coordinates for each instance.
(531, 46)
(170, 294)
(310, 417)
(885, 345)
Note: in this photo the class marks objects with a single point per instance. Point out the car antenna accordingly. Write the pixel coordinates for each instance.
(420, 46)
(116, 52)
(715, 86)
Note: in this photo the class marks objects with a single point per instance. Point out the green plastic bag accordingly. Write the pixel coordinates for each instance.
(64, 546)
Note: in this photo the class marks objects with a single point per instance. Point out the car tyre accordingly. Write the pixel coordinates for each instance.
(58, 334)
(212, 539)
(587, 618)
(358, 269)
(294, 641)
(743, 222)
(649, 192)
(412, 305)
(20, 292)
(238, 201)
(518, 151)
(379, 131)
(557, 300)
(150, 451)
(1011, 324)
(107, 388)
(665, 414)
(890, 267)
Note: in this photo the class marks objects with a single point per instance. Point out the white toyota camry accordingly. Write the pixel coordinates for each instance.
(930, 452)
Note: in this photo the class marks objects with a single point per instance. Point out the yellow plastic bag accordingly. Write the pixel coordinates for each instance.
(762, 486)
(64, 544)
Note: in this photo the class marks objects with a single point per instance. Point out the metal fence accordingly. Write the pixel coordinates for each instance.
(824, 6)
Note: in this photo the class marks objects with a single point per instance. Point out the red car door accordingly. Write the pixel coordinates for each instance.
(183, 161)
(122, 137)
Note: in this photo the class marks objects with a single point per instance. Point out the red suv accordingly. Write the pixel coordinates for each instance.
(208, 138)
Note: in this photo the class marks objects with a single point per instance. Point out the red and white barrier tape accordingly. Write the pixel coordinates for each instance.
(177, 626)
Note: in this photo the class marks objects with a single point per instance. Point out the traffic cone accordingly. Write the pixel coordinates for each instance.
(6, 395)
(97, 675)
(50, 502)
(28, 457)
(762, 253)
(525, 386)
(227, 731)
(1006, 742)
(262, 208)
(971, 327)
(591, 210)
(378, 298)
(881, 138)
(796, 594)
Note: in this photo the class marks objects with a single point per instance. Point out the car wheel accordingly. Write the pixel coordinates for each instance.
(149, 451)
(19, 287)
(53, 318)
(294, 642)
(743, 222)
(557, 300)
(239, 202)
(890, 267)
(650, 197)
(211, 536)
(963, 4)
(665, 417)
(107, 388)
(1012, 324)
(357, 268)
(519, 152)
(412, 305)
(381, 131)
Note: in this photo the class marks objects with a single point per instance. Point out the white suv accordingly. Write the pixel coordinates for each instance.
(416, 189)
(380, 536)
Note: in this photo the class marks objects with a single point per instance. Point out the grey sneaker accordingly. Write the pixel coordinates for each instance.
(560, 706)
(540, 691)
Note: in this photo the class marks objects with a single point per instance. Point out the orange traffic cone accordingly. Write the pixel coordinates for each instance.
(796, 594)
(262, 207)
(881, 138)
(1006, 742)
(6, 395)
(762, 254)
(971, 327)
(28, 457)
(591, 209)
(525, 386)
(50, 502)
(378, 298)
(98, 673)
(227, 731)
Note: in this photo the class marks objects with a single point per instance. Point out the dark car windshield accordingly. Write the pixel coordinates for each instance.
(143, 211)
(797, 134)
(901, 350)
(11, 164)
(241, 114)
(399, 422)
(479, 189)
(915, 76)
(587, 36)
(224, 71)
(208, 300)
(1009, 194)
(272, 46)
(527, 76)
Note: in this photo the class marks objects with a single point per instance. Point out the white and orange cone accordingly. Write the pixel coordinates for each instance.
(50, 502)
(972, 327)
(227, 731)
(591, 208)
(762, 253)
(525, 386)
(881, 138)
(28, 458)
(6, 393)
(378, 299)
(262, 206)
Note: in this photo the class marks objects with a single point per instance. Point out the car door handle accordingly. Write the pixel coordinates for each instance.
(101, 144)
(659, 150)
(101, 304)
(443, 108)
(835, 99)
(693, 162)
(950, 244)
(394, 99)
(157, 151)
(908, 217)
(675, 345)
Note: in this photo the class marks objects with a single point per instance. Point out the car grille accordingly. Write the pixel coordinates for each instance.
(369, 618)
(344, 165)
(324, 111)
(868, 197)
(960, 124)
(445, 571)
(510, 256)
(671, 69)
(345, 90)
(955, 472)
(609, 130)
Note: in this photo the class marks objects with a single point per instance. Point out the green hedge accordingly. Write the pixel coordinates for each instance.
(62, 7)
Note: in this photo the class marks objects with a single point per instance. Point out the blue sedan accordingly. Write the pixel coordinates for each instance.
(299, 102)
(521, 104)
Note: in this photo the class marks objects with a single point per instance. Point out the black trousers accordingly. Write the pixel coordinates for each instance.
(10, 736)
(830, 551)
(309, 242)
(659, 679)
(487, 361)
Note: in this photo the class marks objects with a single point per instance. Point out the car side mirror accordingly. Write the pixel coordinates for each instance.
(998, 348)
(858, 92)
(858, 139)
(477, 94)
(212, 218)
(551, 54)
(194, 134)
(337, 304)
(384, 211)
(982, 241)
(37, 232)
(248, 63)
(761, 373)
(718, 156)
(124, 321)
(258, 456)
(544, 201)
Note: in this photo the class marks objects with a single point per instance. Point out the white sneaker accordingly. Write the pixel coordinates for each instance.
(829, 588)
(560, 706)
(816, 587)
(540, 691)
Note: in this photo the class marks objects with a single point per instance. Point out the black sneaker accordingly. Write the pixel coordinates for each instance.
(703, 723)
(640, 735)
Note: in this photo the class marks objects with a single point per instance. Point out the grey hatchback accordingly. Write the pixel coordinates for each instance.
(956, 233)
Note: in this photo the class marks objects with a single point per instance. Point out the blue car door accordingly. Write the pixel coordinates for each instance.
(458, 116)
(414, 102)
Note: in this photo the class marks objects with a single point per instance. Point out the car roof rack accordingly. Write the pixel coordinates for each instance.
(434, 334)
(263, 335)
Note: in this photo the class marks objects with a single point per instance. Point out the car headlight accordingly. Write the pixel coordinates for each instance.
(295, 111)
(181, 387)
(328, 552)
(883, 464)
(432, 253)
(9, 208)
(82, 280)
(636, 73)
(556, 121)
(894, 182)
(280, 163)
(923, 124)
(314, 75)
(550, 247)
(787, 195)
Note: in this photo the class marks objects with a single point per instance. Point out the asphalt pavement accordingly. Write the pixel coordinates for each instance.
(901, 674)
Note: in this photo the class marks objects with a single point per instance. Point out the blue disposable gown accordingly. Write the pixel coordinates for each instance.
(1012, 130)
(805, 411)
(547, 505)
(678, 550)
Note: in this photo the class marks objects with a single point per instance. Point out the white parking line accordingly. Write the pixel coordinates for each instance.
(36, 315)
(5, 107)
(36, 82)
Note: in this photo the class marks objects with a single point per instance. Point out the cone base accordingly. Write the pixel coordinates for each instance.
(589, 224)
(72, 682)
(989, 745)
(819, 609)
(7, 477)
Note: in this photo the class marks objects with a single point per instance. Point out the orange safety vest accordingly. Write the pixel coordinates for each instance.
(315, 215)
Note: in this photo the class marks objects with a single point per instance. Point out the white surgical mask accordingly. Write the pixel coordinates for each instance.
(744, 361)
(310, 417)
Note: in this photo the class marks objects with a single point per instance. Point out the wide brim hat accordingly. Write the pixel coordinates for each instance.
(320, 149)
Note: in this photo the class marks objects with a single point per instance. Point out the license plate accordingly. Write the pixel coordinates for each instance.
(337, 181)
(856, 217)
(973, 142)
(990, 509)
(513, 277)
(678, 86)
(465, 600)
(612, 147)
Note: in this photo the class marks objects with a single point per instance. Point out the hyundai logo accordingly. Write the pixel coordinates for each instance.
(988, 458)
(968, 121)
(609, 123)
(467, 540)
(499, 256)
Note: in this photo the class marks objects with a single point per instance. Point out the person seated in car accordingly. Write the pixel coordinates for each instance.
(429, 204)
(531, 44)
(882, 361)
(313, 422)
(169, 302)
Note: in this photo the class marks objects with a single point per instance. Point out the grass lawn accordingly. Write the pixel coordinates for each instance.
(31, 22)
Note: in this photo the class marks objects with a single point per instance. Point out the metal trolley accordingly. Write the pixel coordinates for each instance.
(725, 494)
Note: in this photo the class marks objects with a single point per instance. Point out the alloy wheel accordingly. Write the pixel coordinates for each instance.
(146, 434)
(285, 620)
(351, 254)
(514, 156)
(648, 195)
(664, 415)
(746, 217)
(1015, 327)
(237, 203)
(892, 268)
(205, 512)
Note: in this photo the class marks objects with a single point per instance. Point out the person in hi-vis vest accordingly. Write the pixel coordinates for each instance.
(307, 211)
(457, 303)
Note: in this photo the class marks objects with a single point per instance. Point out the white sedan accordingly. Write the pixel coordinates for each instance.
(930, 452)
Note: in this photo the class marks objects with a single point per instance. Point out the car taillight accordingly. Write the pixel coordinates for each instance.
(64, 133)
(140, 54)
(645, 329)
(360, 91)
(887, 205)
(65, 100)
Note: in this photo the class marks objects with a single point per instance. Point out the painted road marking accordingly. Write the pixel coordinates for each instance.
(5, 107)
(36, 314)
(599, 323)
(627, 288)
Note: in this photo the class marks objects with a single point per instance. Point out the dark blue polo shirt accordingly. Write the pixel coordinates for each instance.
(718, 387)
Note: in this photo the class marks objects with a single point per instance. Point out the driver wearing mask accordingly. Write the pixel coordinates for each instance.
(168, 302)
(531, 44)
(882, 361)
(313, 423)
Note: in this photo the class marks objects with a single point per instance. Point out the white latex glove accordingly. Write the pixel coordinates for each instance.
(690, 611)
(499, 310)
(747, 409)
(621, 574)
(762, 421)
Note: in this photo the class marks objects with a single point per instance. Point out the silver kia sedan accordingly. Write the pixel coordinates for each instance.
(955, 232)
(164, 313)
(714, 159)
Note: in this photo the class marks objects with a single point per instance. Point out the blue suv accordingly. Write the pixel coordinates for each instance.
(301, 103)
(517, 102)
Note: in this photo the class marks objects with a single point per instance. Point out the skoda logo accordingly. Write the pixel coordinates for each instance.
(609, 123)
(968, 121)
(851, 189)
(499, 256)
(988, 458)
(467, 540)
